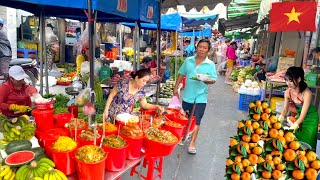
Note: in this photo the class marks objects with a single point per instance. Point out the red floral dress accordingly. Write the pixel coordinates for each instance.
(123, 102)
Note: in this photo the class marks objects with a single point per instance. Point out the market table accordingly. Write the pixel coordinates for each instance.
(115, 175)
(316, 93)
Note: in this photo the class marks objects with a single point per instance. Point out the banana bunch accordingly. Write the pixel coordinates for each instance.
(6, 173)
(18, 129)
(19, 108)
(55, 174)
(36, 170)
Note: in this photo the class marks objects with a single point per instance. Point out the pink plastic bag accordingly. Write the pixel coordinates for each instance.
(175, 103)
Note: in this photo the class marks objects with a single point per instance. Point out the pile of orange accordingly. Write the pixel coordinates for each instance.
(263, 148)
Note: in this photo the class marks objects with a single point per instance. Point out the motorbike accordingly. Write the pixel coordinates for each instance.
(30, 68)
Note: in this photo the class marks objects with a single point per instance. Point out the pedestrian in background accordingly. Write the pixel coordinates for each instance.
(5, 51)
(231, 60)
(196, 91)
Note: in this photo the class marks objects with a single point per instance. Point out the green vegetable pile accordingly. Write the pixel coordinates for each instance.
(180, 61)
(68, 68)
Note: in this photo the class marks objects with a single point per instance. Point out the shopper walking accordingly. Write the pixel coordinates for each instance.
(231, 60)
(196, 91)
(5, 51)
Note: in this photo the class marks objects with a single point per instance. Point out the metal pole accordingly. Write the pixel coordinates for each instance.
(138, 48)
(46, 60)
(91, 46)
(120, 39)
(42, 48)
(158, 50)
(176, 57)
(135, 46)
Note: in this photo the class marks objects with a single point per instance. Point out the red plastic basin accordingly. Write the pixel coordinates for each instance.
(154, 148)
(83, 142)
(177, 131)
(91, 171)
(44, 106)
(116, 159)
(134, 147)
(61, 119)
(79, 130)
(172, 110)
(65, 161)
(184, 122)
(44, 119)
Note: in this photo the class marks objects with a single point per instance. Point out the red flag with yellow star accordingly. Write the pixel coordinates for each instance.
(293, 16)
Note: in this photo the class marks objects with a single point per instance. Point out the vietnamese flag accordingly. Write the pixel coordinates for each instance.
(293, 16)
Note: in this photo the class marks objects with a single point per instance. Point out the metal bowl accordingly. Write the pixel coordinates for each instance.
(72, 91)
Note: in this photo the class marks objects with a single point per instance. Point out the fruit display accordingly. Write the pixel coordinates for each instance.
(18, 129)
(114, 141)
(161, 136)
(90, 154)
(64, 79)
(167, 90)
(264, 149)
(109, 127)
(7, 173)
(131, 131)
(64, 144)
(88, 134)
(19, 158)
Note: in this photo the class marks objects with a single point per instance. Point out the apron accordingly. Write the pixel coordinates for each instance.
(308, 130)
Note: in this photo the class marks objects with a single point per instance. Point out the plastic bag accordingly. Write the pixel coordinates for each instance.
(83, 97)
(85, 68)
(175, 103)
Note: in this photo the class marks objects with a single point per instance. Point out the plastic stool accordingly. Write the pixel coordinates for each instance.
(27, 51)
(150, 161)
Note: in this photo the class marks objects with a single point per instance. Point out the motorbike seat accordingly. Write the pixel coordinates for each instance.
(20, 61)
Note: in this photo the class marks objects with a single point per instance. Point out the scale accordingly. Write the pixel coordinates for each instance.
(72, 91)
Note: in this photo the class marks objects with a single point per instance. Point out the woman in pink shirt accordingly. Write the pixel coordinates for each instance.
(231, 59)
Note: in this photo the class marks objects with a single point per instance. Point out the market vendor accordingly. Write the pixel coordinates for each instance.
(126, 93)
(298, 99)
(15, 95)
(84, 56)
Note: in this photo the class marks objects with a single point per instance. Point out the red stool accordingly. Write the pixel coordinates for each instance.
(150, 161)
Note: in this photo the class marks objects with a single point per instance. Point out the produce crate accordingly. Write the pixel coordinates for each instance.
(244, 101)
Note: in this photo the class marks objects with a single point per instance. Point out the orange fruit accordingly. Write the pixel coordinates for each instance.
(252, 145)
(233, 142)
(229, 162)
(248, 127)
(282, 140)
(251, 105)
(274, 143)
(265, 105)
(302, 158)
(276, 174)
(281, 167)
(259, 131)
(237, 164)
(268, 157)
(261, 160)
(245, 163)
(256, 117)
(249, 169)
(276, 153)
(273, 119)
(235, 176)
(289, 155)
(315, 164)
(240, 125)
(266, 174)
(253, 158)
(295, 145)
(244, 144)
(311, 156)
(255, 138)
(246, 138)
(248, 123)
(289, 136)
(269, 162)
(297, 174)
(257, 150)
(311, 174)
(258, 103)
(264, 116)
(255, 125)
(281, 133)
(273, 133)
(301, 152)
(238, 159)
(277, 125)
(276, 160)
(245, 176)
(268, 110)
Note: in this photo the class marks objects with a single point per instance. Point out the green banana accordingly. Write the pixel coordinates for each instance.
(26, 174)
(16, 131)
(8, 175)
(10, 125)
(45, 165)
(5, 127)
(61, 174)
(42, 171)
(11, 134)
(47, 161)
(5, 171)
(36, 173)
(21, 171)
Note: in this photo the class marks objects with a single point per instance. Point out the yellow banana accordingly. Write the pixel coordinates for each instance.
(46, 176)
(37, 178)
(8, 175)
(13, 176)
(5, 171)
(51, 176)
(61, 174)
(56, 175)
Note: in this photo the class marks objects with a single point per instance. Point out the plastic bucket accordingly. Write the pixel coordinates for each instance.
(177, 131)
(61, 119)
(116, 159)
(172, 110)
(65, 161)
(184, 122)
(73, 110)
(83, 142)
(91, 171)
(108, 133)
(154, 148)
(134, 147)
(44, 119)
(79, 130)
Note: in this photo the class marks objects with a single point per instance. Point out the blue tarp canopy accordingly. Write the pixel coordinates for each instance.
(170, 22)
(205, 33)
(108, 10)
(195, 20)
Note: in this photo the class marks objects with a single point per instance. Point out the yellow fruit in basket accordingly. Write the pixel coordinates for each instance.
(297, 174)
(311, 156)
(276, 174)
(245, 176)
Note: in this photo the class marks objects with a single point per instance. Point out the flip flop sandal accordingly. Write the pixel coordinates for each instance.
(192, 151)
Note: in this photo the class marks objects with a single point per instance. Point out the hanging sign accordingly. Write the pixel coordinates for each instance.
(122, 5)
(150, 12)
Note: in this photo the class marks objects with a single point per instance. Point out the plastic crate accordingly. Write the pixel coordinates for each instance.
(244, 101)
